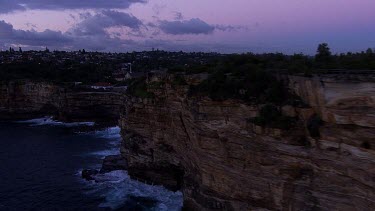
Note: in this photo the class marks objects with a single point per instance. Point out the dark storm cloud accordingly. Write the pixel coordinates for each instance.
(9, 6)
(91, 33)
(109, 30)
(192, 26)
(13, 5)
(230, 28)
(6, 30)
(98, 23)
(123, 19)
(56, 40)
(31, 37)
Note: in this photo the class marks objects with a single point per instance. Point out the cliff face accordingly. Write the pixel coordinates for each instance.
(346, 104)
(92, 106)
(26, 99)
(220, 160)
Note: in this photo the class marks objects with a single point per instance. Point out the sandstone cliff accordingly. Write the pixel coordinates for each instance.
(27, 99)
(222, 161)
(216, 156)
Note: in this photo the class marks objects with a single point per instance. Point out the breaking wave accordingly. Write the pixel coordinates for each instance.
(112, 134)
(119, 191)
(49, 121)
(109, 133)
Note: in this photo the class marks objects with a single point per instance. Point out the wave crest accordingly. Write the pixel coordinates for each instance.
(49, 121)
(117, 188)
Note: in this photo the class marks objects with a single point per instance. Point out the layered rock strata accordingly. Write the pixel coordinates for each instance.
(27, 99)
(222, 161)
(216, 156)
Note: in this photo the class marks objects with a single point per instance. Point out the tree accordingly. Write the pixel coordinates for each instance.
(323, 51)
(369, 52)
(324, 55)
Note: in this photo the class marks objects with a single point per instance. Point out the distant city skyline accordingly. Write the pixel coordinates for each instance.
(226, 26)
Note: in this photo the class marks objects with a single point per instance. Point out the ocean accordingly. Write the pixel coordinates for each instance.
(40, 169)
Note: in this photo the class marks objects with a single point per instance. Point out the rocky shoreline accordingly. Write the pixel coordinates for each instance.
(110, 163)
(221, 160)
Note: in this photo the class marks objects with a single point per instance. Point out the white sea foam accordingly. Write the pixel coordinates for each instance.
(117, 187)
(109, 133)
(51, 122)
(104, 153)
(112, 134)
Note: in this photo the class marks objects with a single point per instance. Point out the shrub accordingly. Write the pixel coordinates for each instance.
(271, 116)
(253, 85)
(218, 87)
(138, 88)
(156, 84)
(179, 80)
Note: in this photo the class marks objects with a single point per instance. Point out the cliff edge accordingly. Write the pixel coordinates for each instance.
(222, 160)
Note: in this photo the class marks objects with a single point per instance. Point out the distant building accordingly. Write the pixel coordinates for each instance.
(123, 72)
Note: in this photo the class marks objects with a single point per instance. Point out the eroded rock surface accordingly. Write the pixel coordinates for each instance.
(27, 99)
(221, 161)
(113, 163)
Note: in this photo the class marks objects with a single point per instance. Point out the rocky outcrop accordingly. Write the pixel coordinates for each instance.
(89, 174)
(222, 161)
(113, 163)
(345, 103)
(339, 99)
(27, 99)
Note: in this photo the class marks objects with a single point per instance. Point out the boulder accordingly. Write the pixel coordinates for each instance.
(88, 174)
(113, 163)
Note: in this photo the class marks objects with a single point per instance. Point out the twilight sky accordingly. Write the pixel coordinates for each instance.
(289, 26)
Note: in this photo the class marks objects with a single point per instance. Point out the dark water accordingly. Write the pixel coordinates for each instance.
(40, 170)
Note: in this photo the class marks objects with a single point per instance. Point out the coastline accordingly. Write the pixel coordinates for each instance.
(112, 184)
(205, 147)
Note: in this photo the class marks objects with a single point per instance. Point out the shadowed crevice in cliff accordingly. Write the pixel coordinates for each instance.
(97, 113)
(169, 176)
(313, 125)
(49, 109)
(151, 168)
